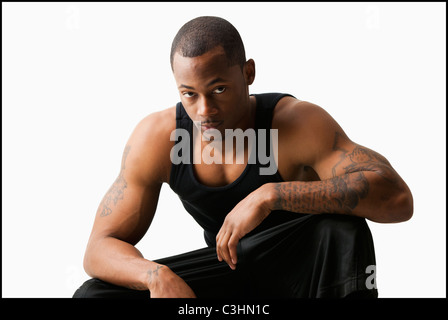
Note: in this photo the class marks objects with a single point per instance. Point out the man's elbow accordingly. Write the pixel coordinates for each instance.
(401, 207)
(89, 258)
(87, 263)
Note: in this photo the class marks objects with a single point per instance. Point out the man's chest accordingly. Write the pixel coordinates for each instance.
(216, 168)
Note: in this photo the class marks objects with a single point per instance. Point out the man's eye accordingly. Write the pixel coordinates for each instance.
(219, 90)
(188, 94)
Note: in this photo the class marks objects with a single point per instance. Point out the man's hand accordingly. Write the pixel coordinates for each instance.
(245, 217)
(164, 283)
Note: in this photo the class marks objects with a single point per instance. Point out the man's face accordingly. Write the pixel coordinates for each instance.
(212, 92)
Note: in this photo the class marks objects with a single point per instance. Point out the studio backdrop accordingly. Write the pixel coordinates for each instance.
(78, 77)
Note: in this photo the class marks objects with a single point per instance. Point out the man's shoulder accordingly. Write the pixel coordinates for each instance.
(151, 145)
(159, 122)
(154, 130)
(304, 126)
(306, 129)
(291, 111)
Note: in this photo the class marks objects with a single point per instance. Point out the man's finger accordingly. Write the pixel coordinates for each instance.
(221, 245)
(232, 245)
(223, 249)
(218, 239)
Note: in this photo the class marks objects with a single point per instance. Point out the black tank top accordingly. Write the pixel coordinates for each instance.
(210, 205)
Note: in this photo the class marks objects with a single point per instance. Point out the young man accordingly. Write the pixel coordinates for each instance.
(283, 216)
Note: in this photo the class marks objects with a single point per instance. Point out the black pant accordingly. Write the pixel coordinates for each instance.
(200, 269)
(313, 256)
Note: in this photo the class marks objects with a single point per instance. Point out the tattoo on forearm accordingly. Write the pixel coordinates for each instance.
(153, 273)
(339, 194)
(116, 191)
(343, 191)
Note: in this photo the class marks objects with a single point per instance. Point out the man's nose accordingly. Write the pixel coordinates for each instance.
(206, 108)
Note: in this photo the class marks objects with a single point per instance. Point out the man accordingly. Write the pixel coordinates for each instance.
(296, 231)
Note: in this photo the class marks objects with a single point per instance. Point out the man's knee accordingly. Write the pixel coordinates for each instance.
(95, 288)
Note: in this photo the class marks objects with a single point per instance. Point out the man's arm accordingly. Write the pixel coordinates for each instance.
(363, 184)
(353, 179)
(126, 212)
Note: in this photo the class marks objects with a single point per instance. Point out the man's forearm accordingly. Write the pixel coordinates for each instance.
(364, 193)
(120, 263)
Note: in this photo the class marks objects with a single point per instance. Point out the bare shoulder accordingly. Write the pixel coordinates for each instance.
(305, 127)
(291, 112)
(156, 124)
(149, 146)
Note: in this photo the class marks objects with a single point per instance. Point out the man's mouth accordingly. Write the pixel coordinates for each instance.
(205, 125)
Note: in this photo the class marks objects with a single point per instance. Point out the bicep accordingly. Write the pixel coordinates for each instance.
(328, 149)
(343, 156)
(126, 210)
(128, 207)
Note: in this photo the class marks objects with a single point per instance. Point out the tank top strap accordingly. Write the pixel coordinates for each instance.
(266, 103)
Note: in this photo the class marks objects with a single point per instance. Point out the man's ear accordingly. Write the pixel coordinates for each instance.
(249, 71)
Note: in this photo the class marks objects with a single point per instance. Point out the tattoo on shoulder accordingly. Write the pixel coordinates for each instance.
(116, 191)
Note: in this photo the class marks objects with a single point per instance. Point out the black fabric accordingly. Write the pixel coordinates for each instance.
(314, 256)
(289, 255)
(96, 288)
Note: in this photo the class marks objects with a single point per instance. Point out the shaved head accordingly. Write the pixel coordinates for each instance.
(202, 34)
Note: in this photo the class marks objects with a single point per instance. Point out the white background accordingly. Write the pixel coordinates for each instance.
(78, 77)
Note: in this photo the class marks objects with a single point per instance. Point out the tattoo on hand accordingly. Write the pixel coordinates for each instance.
(116, 191)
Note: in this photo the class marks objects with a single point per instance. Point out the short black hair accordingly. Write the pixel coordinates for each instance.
(202, 34)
